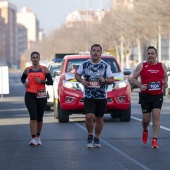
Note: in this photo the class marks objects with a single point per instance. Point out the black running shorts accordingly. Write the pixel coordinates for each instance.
(35, 106)
(149, 102)
(95, 106)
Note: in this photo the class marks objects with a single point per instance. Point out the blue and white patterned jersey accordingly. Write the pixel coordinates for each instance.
(92, 72)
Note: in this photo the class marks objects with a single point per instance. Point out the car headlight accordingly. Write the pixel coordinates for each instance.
(73, 85)
(120, 84)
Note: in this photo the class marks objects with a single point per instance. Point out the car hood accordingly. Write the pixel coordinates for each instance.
(117, 76)
(70, 77)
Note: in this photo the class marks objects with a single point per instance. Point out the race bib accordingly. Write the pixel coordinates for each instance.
(154, 86)
(93, 84)
(41, 94)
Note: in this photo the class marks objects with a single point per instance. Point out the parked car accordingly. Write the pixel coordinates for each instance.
(130, 77)
(53, 67)
(69, 99)
(168, 72)
(167, 91)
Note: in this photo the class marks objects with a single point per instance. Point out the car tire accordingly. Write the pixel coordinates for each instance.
(126, 115)
(55, 109)
(63, 117)
(114, 115)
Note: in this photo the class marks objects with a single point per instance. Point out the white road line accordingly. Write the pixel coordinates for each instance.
(119, 151)
(11, 110)
(162, 127)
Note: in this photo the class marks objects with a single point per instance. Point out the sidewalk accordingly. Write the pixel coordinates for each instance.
(11, 99)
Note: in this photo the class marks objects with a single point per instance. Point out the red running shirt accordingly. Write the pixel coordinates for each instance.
(33, 86)
(153, 76)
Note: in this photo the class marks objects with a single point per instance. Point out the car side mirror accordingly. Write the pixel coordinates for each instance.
(126, 71)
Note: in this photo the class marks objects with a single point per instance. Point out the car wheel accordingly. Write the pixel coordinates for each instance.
(164, 92)
(63, 117)
(167, 90)
(114, 115)
(55, 109)
(126, 115)
(131, 87)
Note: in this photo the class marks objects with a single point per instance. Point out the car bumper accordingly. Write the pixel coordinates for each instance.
(71, 100)
(119, 99)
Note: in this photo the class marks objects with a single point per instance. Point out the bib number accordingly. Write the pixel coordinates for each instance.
(94, 84)
(41, 94)
(154, 86)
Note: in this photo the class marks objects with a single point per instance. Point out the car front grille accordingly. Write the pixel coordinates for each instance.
(108, 100)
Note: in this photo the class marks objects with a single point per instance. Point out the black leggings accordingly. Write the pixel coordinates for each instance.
(35, 106)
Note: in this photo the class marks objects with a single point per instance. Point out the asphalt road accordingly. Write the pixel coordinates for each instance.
(64, 143)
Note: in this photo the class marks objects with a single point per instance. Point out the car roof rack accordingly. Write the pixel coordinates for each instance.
(59, 57)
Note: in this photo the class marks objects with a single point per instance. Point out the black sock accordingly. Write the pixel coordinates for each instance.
(33, 136)
(145, 130)
(38, 134)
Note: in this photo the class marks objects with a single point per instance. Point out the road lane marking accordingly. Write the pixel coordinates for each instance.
(117, 150)
(162, 127)
(11, 110)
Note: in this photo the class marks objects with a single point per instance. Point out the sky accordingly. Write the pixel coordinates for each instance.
(52, 13)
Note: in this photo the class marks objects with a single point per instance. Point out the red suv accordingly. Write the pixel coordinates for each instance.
(70, 92)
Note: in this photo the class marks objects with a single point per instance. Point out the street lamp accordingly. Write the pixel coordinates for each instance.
(86, 20)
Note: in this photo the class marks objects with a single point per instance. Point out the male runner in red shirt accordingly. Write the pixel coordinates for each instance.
(154, 78)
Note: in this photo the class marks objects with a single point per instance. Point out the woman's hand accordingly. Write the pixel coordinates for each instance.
(26, 85)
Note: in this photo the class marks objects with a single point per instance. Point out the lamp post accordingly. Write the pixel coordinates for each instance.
(101, 8)
(159, 35)
(86, 21)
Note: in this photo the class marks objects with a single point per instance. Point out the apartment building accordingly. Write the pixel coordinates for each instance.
(8, 12)
(2, 40)
(88, 16)
(22, 39)
(127, 3)
(27, 18)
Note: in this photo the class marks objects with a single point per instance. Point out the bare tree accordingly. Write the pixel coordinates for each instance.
(121, 30)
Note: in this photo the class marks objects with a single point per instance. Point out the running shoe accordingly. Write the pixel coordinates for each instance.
(97, 143)
(155, 143)
(38, 141)
(33, 142)
(145, 137)
(90, 141)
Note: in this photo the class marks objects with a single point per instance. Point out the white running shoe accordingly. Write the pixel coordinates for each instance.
(38, 141)
(33, 142)
(97, 143)
(89, 141)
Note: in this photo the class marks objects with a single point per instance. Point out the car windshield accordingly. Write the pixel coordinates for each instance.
(73, 64)
(54, 69)
(58, 60)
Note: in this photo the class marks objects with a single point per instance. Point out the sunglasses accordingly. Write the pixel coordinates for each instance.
(151, 53)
